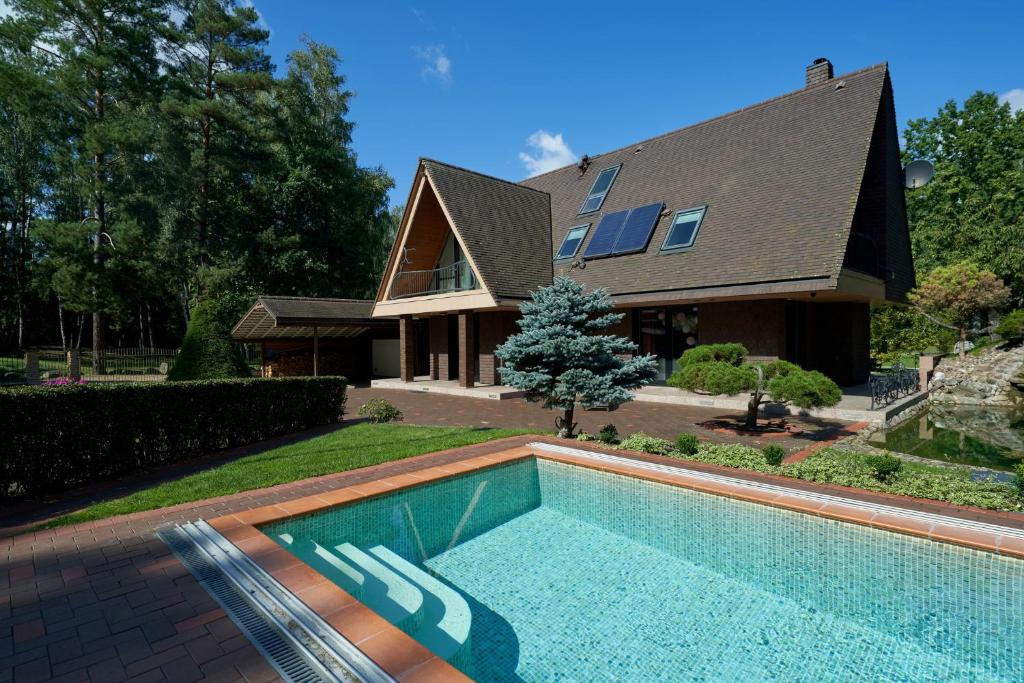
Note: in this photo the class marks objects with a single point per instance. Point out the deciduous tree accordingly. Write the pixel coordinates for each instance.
(955, 296)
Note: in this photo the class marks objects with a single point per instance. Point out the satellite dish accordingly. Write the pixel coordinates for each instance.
(917, 174)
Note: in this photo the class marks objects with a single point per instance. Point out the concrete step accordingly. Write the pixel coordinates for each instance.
(447, 617)
(385, 591)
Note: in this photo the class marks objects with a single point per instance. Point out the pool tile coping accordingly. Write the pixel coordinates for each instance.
(406, 660)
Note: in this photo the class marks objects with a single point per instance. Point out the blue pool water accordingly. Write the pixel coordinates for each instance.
(540, 571)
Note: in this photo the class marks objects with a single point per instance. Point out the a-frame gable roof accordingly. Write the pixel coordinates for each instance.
(505, 227)
(781, 180)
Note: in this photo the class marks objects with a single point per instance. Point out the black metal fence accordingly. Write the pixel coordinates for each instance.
(892, 384)
(53, 365)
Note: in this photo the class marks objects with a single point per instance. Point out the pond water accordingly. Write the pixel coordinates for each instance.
(984, 437)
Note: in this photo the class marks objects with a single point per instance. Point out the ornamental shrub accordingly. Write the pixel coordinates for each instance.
(208, 351)
(609, 434)
(585, 436)
(564, 355)
(56, 438)
(687, 444)
(379, 410)
(884, 467)
(1020, 480)
(774, 454)
(1011, 327)
(647, 444)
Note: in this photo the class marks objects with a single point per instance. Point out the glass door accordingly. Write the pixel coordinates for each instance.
(666, 333)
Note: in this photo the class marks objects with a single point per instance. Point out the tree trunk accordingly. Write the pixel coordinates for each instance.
(755, 400)
(566, 427)
(751, 420)
(963, 343)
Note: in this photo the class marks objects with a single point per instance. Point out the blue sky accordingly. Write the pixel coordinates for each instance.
(507, 88)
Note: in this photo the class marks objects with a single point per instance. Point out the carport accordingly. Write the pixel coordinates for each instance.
(305, 327)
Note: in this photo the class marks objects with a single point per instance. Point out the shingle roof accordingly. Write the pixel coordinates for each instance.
(297, 308)
(780, 179)
(294, 317)
(506, 227)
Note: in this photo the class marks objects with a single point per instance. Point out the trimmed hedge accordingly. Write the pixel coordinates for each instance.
(56, 438)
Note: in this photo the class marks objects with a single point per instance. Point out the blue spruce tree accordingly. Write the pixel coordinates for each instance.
(562, 356)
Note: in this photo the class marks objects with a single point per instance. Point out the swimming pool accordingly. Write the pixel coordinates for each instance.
(537, 570)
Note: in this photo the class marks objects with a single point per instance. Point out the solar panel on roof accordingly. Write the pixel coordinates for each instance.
(637, 230)
(606, 235)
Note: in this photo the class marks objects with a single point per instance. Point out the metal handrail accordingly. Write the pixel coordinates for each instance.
(454, 278)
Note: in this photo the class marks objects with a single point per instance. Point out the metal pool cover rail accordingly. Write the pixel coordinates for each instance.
(293, 638)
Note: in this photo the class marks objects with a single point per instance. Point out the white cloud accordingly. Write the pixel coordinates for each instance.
(1015, 97)
(436, 64)
(549, 152)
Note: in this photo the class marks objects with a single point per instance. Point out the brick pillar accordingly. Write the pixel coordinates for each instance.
(31, 366)
(492, 333)
(467, 354)
(407, 348)
(74, 364)
(439, 347)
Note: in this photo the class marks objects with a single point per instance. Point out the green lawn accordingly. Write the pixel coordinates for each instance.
(355, 446)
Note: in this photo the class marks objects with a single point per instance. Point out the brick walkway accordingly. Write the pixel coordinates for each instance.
(657, 419)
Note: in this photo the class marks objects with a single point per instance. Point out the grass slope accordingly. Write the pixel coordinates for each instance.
(350, 448)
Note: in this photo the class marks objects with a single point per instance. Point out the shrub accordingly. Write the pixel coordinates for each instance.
(1011, 327)
(585, 436)
(208, 351)
(733, 455)
(609, 434)
(687, 444)
(1019, 470)
(774, 454)
(647, 444)
(883, 467)
(379, 410)
(56, 438)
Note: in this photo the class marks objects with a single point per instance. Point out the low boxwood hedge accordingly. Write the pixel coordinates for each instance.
(56, 438)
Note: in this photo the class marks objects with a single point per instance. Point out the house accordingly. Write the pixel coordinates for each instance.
(776, 225)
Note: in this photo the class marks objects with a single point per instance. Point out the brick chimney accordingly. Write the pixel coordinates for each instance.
(819, 71)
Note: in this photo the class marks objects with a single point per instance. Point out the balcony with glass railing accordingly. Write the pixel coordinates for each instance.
(457, 277)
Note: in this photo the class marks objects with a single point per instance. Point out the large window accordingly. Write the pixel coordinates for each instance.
(666, 333)
(683, 231)
(571, 244)
(599, 190)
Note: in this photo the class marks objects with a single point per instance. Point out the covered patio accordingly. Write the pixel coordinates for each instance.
(318, 336)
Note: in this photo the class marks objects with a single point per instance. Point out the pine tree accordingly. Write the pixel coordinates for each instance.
(218, 84)
(562, 357)
(99, 58)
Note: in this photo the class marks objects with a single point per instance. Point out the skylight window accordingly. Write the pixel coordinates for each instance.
(682, 233)
(599, 191)
(571, 244)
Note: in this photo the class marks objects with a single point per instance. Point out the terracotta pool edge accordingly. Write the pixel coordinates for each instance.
(401, 656)
(394, 651)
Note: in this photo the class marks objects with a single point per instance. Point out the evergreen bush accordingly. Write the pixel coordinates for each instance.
(774, 454)
(56, 438)
(1011, 327)
(884, 467)
(208, 351)
(563, 355)
(687, 444)
(379, 411)
(609, 434)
